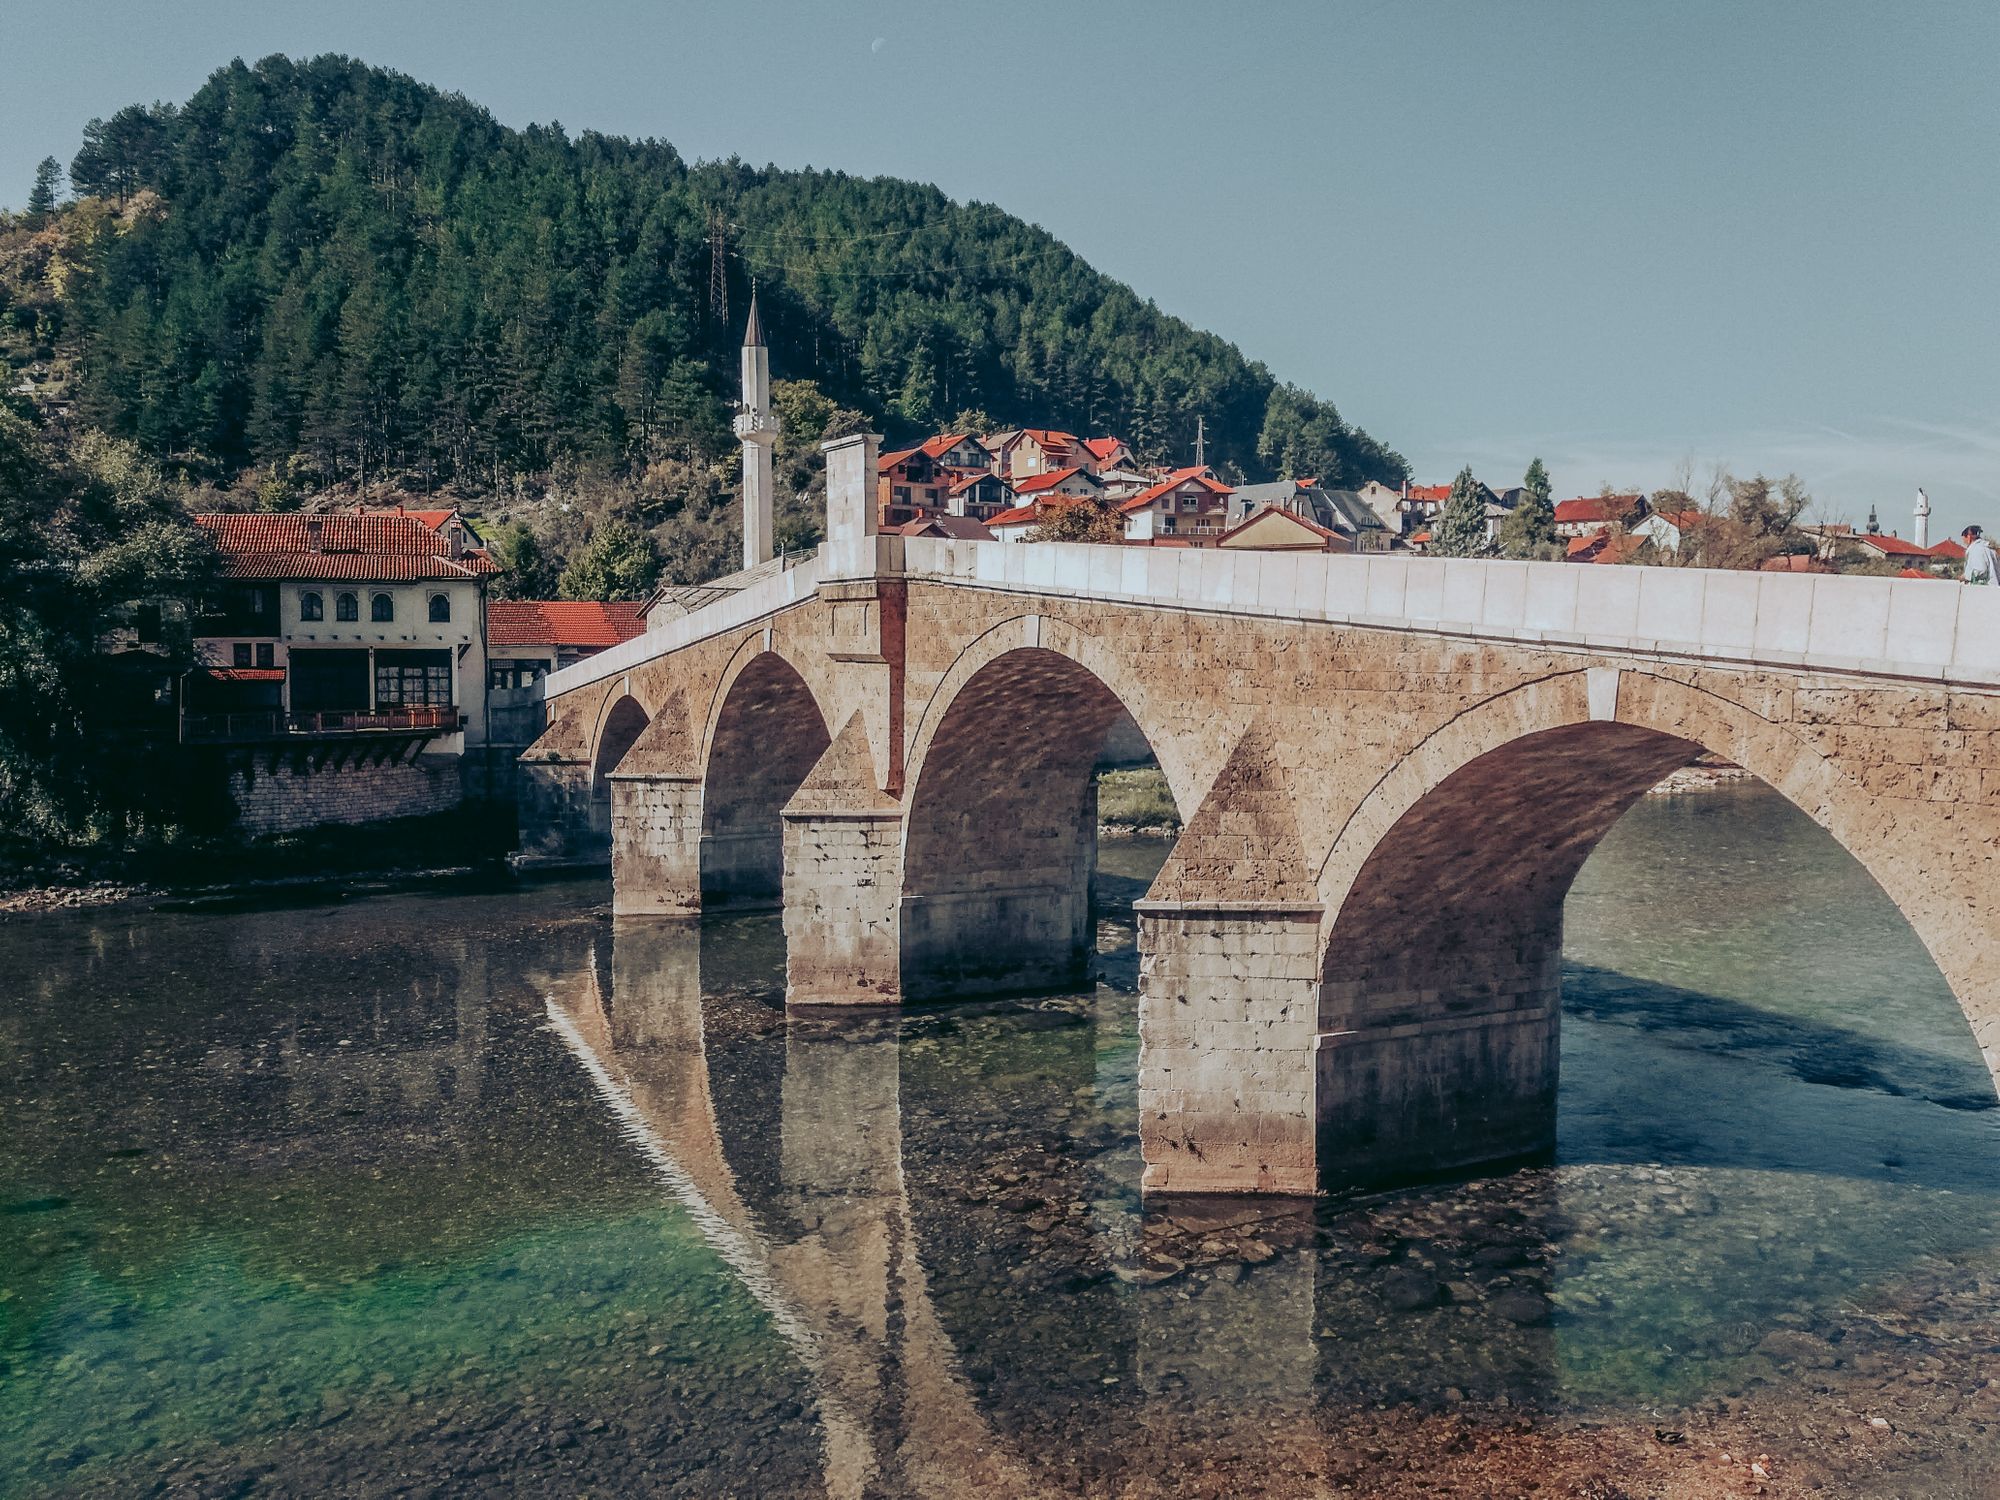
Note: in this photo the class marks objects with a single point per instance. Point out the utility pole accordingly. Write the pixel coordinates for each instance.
(718, 277)
(1200, 443)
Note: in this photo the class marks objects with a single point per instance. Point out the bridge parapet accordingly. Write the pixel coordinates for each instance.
(1908, 628)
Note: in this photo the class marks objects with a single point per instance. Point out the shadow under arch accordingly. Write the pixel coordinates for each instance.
(766, 730)
(624, 721)
(1440, 998)
(1000, 830)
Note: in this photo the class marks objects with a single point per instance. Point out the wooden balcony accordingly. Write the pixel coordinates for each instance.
(268, 726)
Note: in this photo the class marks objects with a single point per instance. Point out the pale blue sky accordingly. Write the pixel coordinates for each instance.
(1618, 235)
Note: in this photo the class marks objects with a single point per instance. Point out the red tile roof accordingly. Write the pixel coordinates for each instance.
(1020, 515)
(1919, 573)
(889, 461)
(968, 479)
(1034, 484)
(1951, 549)
(1596, 508)
(561, 622)
(1895, 546)
(1174, 481)
(390, 547)
(942, 444)
(1430, 494)
(1048, 437)
(1794, 562)
(1103, 448)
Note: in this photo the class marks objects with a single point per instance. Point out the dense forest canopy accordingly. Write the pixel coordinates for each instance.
(330, 265)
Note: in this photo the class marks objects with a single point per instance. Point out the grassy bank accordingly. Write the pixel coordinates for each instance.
(1132, 800)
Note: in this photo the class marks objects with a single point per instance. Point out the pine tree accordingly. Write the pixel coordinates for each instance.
(42, 198)
(1461, 526)
(1530, 529)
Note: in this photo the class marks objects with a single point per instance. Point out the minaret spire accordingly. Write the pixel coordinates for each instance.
(1923, 514)
(757, 429)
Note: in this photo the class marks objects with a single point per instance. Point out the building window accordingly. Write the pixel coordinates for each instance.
(417, 685)
(239, 654)
(381, 608)
(267, 654)
(440, 609)
(347, 607)
(312, 607)
(518, 673)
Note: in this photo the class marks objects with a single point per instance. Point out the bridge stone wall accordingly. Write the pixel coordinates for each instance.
(1417, 800)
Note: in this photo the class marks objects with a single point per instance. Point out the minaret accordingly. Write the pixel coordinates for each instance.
(1922, 534)
(757, 429)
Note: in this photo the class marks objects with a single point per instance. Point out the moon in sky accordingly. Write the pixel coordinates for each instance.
(878, 44)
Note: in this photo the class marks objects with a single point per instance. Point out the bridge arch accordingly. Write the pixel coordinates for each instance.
(766, 729)
(1440, 996)
(999, 837)
(623, 719)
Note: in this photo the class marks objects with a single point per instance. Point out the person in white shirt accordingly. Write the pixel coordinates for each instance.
(1982, 565)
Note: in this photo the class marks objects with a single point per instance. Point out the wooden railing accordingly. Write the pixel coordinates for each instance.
(273, 724)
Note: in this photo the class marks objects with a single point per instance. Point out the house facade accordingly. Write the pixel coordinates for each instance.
(340, 624)
(1189, 507)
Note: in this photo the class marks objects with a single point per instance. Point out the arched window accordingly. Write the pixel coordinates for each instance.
(346, 607)
(440, 609)
(312, 607)
(382, 607)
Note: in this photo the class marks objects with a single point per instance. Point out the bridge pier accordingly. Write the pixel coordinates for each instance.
(656, 845)
(842, 878)
(555, 814)
(1228, 998)
(1440, 1061)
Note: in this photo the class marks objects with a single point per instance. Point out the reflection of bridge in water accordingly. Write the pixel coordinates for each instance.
(830, 1238)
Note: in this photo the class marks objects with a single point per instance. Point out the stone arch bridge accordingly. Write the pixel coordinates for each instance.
(1390, 769)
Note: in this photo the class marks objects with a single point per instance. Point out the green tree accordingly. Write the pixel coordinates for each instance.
(43, 196)
(1090, 520)
(617, 562)
(525, 570)
(84, 530)
(122, 154)
(1460, 530)
(1529, 530)
(348, 264)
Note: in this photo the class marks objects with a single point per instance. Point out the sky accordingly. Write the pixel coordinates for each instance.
(1633, 239)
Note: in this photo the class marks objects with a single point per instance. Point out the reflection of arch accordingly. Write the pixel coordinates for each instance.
(1000, 834)
(1440, 996)
(623, 722)
(765, 731)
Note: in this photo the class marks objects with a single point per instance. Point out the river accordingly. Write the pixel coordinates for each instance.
(462, 1191)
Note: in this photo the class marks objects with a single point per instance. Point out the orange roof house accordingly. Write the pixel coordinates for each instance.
(527, 638)
(1190, 504)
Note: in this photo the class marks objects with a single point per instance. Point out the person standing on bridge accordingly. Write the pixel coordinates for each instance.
(1982, 565)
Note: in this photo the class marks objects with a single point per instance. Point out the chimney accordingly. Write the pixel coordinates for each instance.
(312, 534)
(850, 500)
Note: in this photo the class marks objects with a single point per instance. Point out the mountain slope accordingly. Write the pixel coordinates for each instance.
(334, 261)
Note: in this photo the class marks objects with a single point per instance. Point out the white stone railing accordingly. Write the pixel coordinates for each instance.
(1897, 627)
(1923, 629)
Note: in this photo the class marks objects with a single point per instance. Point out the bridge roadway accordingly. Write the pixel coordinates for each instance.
(1390, 769)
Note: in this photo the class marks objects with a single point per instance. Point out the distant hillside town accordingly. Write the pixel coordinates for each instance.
(1027, 484)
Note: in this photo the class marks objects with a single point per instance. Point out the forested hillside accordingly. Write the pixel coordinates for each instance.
(336, 273)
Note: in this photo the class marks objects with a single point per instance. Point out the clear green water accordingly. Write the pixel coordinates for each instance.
(477, 1192)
